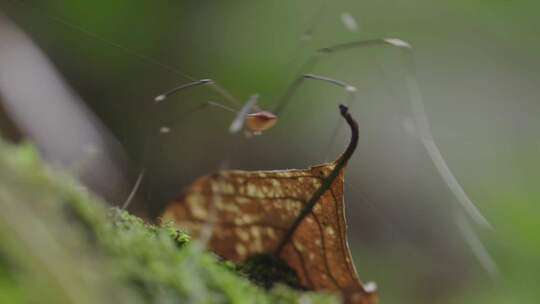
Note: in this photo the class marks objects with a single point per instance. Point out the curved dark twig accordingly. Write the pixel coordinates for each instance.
(328, 181)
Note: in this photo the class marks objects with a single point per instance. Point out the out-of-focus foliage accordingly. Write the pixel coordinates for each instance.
(59, 244)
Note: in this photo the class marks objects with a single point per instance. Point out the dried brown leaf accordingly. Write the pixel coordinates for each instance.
(297, 215)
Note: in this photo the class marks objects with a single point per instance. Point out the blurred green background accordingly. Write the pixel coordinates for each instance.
(477, 68)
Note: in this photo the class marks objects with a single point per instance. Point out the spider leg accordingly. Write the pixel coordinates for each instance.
(204, 82)
(350, 92)
(417, 107)
(284, 100)
(327, 51)
(166, 127)
(134, 189)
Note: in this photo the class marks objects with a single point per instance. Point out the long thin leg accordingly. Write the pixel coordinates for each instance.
(350, 92)
(312, 23)
(283, 101)
(77, 28)
(212, 84)
(206, 82)
(417, 107)
(165, 128)
(323, 52)
(134, 189)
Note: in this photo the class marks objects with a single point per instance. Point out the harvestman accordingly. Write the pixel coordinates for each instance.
(257, 120)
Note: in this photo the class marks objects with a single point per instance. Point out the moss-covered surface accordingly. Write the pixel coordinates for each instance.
(59, 244)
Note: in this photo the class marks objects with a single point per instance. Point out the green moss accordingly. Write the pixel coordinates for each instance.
(60, 244)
